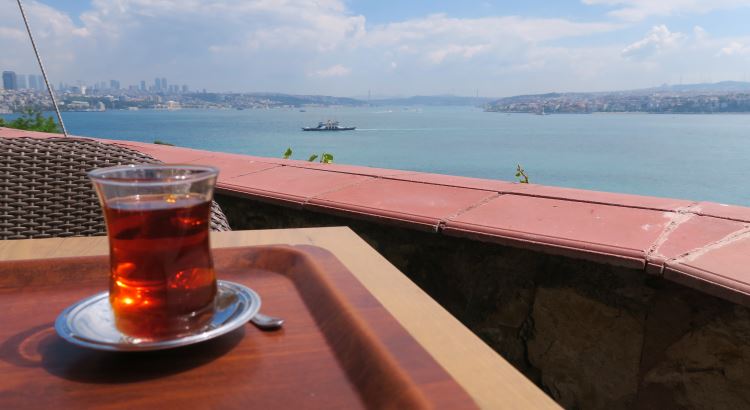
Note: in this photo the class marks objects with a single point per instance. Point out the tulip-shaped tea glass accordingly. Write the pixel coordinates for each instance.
(162, 282)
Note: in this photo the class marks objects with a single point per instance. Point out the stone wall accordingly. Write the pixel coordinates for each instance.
(591, 335)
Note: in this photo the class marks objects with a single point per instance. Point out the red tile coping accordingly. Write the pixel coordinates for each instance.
(605, 232)
(410, 203)
(720, 268)
(290, 184)
(700, 244)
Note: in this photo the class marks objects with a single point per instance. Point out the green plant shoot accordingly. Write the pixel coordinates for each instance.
(521, 175)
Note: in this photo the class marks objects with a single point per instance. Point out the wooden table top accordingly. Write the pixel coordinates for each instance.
(490, 380)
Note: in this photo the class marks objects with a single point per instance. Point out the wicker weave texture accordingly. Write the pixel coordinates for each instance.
(44, 190)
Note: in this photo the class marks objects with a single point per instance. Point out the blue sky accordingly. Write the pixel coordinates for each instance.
(345, 47)
(389, 11)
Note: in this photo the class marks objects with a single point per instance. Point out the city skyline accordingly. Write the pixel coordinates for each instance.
(700, 91)
(13, 80)
(345, 48)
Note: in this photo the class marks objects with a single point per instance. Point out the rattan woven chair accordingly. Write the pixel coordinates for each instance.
(44, 190)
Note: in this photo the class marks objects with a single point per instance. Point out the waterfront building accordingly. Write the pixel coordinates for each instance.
(79, 105)
(10, 81)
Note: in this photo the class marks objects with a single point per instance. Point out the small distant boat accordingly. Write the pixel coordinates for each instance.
(328, 126)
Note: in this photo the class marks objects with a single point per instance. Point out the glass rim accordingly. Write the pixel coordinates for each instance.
(202, 172)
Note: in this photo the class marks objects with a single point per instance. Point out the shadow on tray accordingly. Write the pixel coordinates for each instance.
(40, 346)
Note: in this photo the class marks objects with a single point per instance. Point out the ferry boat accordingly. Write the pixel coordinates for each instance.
(328, 126)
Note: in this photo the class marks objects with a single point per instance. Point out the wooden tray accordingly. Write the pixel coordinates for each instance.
(339, 347)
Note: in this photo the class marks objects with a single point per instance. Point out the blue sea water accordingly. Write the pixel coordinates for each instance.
(699, 157)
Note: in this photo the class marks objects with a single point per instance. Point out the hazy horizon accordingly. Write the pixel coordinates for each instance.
(390, 49)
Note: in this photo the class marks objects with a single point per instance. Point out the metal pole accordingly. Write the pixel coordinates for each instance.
(44, 73)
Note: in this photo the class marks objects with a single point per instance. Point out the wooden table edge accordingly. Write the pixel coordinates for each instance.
(488, 378)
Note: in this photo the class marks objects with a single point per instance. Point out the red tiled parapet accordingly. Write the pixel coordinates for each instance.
(410, 203)
(700, 244)
(292, 185)
(609, 233)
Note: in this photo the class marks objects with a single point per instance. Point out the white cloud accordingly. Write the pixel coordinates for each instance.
(482, 30)
(465, 52)
(337, 70)
(223, 44)
(735, 48)
(700, 34)
(272, 44)
(656, 41)
(298, 46)
(429, 42)
(636, 10)
(8, 33)
(56, 35)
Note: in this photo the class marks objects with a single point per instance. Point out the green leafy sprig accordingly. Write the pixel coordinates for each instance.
(325, 158)
(521, 175)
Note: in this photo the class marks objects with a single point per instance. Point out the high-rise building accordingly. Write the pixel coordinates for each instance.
(143, 85)
(157, 84)
(21, 81)
(10, 81)
(164, 84)
(185, 88)
(114, 84)
(32, 82)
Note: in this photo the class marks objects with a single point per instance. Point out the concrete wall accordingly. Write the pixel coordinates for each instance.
(591, 335)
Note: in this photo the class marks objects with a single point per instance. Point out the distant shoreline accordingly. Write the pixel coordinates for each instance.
(208, 109)
(621, 113)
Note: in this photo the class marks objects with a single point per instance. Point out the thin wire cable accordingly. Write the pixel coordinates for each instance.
(44, 73)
